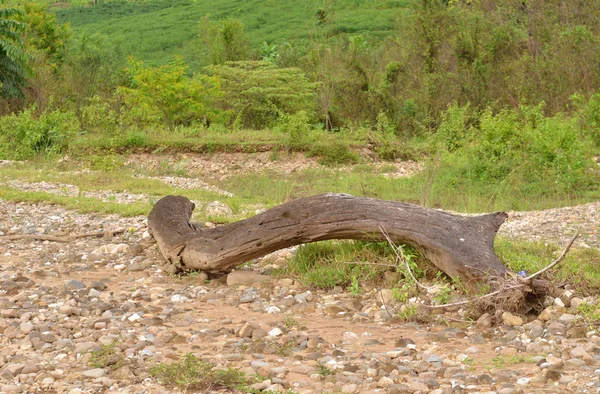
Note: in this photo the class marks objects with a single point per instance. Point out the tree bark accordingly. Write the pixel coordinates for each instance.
(461, 246)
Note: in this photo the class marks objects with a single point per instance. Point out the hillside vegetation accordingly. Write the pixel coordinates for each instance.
(499, 100)
(157, 30)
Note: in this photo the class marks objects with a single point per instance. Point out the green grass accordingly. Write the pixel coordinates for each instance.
(580, 266)
(108, 356)
(158, 30)
(192, 373)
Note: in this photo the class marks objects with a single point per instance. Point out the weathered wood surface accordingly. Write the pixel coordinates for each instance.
(461, 246)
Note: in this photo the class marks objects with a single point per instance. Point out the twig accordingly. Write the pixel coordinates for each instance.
(367, 263)
(465, 302)
(400, 256)
(52, 238)
(558, 260)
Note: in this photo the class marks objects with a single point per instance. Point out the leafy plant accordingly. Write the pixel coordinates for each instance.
(108, 356)
(167, 94)
(192, 373)
(260, 92)
(26, 136)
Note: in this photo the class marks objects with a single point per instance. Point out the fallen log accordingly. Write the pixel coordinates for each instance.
(460, 246)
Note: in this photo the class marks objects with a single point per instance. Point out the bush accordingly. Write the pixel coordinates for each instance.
(515, 154)
(260, 92)
(23, 136)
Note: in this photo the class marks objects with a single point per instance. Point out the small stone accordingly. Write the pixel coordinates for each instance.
(385, 382)
(548, 314)
(94, 373)
(97, 285)
(404, 342)
(512, 320)
(75, 285)
(350, 389)
(576, 302)
(275, 332)
(567, 318)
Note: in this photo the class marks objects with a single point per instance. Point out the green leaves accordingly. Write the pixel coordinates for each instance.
(259, 91)
(167, 94)
(13, 60)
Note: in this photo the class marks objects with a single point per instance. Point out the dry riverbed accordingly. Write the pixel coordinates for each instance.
(61, 301)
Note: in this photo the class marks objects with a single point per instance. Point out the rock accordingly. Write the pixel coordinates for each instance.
(404, 342)
(350, 389)
(576, 302)
(97, 285)
(385, 382)
(511, 319)
(548, 314)
(237, 278)
(74, 284)
(484, 321)
(556, 328)
(384, 297)
(94, 373)
(567, 318)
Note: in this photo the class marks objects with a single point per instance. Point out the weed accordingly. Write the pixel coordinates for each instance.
(192, 373)
(499, 361)
(286, 349)
(442, 295)
(355, 286)
(323, 370)
(108, 356)
(289, 322)
(590, 312)
(408, 313)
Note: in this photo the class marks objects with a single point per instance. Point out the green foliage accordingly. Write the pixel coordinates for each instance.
(13, 60)
(258, 91)
(579, 266)
(158, 30)
(24, 136)
(108, 356)
(192, 373)
(223, 41)
(90, 71)
(166, 94)
(338, 263)
(590, 312)
(511, 154)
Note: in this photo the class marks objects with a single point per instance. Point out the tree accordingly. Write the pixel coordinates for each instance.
(13, 60)
(167, 94)
(259, 91)
(223, 41)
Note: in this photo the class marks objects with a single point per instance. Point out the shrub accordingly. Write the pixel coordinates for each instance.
(260, 92)
(24, 136)
(515, 154)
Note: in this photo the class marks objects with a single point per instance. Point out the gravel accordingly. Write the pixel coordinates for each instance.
(61, 302)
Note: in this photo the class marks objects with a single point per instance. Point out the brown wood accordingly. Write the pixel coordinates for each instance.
(461, 246)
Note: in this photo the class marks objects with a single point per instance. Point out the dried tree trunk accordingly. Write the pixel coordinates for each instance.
(461, 246)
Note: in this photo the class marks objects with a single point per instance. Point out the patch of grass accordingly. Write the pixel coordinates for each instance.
(408, 313)
(500, 362)
(108, 356)
(286, 349)
(580, 266)
(289, 322)
(81, 204)
(324, 264)
(192, 373)
(590, 313)
(324, 370)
